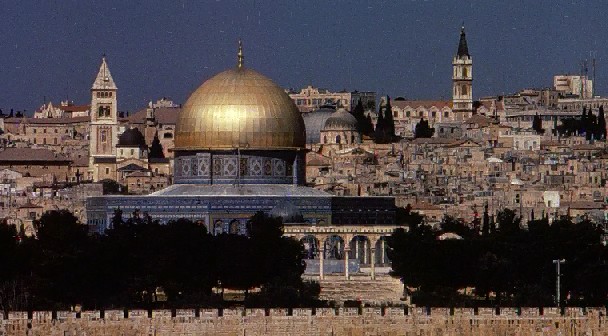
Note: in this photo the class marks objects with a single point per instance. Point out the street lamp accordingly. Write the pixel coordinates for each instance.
(558, 263)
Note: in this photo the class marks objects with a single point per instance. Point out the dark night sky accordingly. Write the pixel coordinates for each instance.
(159, 48)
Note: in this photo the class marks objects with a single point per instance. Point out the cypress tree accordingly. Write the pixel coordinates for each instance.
(601, 124)
(379, 132)
(369, 125)
(389, 121)
(156, 149)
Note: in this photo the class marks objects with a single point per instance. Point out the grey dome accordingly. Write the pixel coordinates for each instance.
(132, 137)
(314, 122)
(288, 212)
(341, 120)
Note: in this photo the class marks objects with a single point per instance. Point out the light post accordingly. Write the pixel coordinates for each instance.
(558, 263)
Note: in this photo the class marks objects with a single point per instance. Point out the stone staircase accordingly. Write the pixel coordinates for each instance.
(384, 289)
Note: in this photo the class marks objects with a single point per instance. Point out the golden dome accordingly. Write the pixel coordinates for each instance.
(239, 108)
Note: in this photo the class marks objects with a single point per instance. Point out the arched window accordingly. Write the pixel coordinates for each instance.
(352, 138)
(465, 72)
(325, 139)
(464, 90)
(234, 227)
(337, 139)
(218, 227)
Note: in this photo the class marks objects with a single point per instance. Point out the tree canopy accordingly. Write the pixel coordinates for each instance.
(508, 265)
(139, 260)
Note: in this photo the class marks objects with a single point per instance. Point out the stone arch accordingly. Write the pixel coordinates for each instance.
(234, 227)
(218, 227)
(334, 247)
(311, 246)
(360, 250)
(381, 257)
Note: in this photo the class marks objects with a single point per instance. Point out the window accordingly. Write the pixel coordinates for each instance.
(132, 151)
(407, 114)
(107, 171)
(446, 114)
(337, 139)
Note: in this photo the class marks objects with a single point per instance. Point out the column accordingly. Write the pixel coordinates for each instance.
(321, 256)
(383, 248)
(373, 262)
(346, 251)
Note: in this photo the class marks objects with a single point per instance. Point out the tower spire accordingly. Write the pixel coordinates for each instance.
(463, 49)
(240, 57)
(104, 80)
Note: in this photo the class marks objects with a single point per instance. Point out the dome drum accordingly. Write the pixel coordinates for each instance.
(239, 167)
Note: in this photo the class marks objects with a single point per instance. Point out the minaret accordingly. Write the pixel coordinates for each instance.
(104, 118)
(462, 80)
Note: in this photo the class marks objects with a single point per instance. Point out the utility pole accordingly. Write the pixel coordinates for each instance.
(558, 263)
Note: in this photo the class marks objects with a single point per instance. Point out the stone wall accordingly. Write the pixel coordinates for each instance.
(320, 321)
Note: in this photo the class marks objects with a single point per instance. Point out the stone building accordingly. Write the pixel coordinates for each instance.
(104, 124)
(340, 128)
(311, 98)
(240, 149)
(462, 80)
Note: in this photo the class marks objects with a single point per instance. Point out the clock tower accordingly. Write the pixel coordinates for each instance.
(104, 123)
(462, 80)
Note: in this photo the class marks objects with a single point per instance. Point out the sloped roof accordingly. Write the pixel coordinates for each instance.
(13, 154)
(421, 103)
(163, 115)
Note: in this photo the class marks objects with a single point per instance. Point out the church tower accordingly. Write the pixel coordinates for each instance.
(104, 123)
(462, 79)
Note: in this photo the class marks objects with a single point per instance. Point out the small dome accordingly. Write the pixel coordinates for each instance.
(288, 212)
(314, 122)
(132, 137)
(341, 120)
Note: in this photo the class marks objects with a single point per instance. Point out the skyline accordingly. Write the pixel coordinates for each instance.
(156, 50)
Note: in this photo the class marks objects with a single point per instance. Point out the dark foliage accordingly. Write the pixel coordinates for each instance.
(588, 124)
(364, 123)
(423, 130)
(508, 266)
(385, 125)
(138, 261)
(156, 149)
(537, 125)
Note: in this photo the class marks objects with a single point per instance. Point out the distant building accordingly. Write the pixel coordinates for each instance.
(66, 109)
(462, 80)
(311, 98)
(580, 86)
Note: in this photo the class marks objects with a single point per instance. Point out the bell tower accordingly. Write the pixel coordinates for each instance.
(462, 80)
(104, 118)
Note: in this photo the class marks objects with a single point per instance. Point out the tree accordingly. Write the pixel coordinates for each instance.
(389, 122)
(423, 130)
(537, 125)
(601, 124)
(508, 222)
(380, 127)
(359, 113)
(156, 149)
(485, 228)
(13, 273)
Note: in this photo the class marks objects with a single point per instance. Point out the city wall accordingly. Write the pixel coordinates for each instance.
(320, 321)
